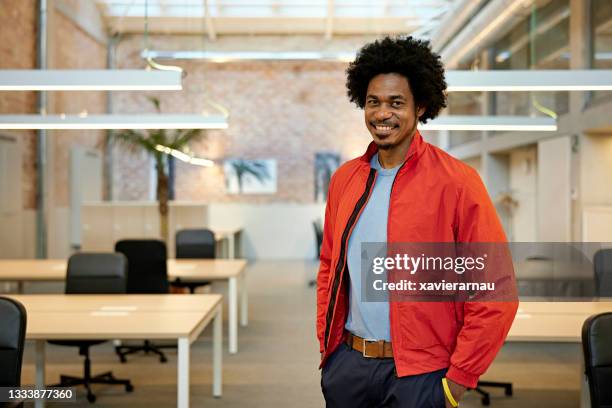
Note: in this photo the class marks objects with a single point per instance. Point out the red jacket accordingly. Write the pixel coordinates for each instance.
(435, 198)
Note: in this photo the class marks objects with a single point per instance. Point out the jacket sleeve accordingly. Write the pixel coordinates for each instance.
(325, 262)
(485, 323)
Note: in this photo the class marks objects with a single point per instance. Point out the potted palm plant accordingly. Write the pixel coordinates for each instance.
(147, 141)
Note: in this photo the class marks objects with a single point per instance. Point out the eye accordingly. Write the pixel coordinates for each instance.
(397, 104)
(372, 102)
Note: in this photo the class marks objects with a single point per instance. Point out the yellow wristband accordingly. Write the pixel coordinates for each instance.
(448, 393)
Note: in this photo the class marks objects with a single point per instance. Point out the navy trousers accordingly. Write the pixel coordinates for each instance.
(349, 380)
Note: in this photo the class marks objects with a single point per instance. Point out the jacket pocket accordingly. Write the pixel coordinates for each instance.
(426, 324)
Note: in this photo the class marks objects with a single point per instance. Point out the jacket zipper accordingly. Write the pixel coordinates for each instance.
(388, 218)
(341, 266)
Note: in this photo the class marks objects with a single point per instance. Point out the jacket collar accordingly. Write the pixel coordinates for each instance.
(417, 147)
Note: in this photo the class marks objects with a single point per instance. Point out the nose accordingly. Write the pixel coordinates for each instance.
(382, 114)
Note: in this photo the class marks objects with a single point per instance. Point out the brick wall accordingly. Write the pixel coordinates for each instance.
(69, 47)
(278, 110)
(18, 51)
(74, 48)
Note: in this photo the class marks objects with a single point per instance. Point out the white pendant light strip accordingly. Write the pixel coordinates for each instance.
(530, 80)
(151, 121)
(184, 157)
(90, 80)
(457, 80)
(492, 123)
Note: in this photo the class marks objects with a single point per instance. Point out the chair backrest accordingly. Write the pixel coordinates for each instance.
(147, 265)
(195, 243)
(596, 341)
(97, 273)
(13, 320)
(318, 229)
(602, 263)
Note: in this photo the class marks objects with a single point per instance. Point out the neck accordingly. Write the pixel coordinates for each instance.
(394, 156)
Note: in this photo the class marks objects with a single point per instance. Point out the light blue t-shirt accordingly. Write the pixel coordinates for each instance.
(370, 320)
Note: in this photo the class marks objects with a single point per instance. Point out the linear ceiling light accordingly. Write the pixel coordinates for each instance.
(530, 80)
(184, 157)
(492, 123)
(113, 122)
(232, 56)
(90, 80)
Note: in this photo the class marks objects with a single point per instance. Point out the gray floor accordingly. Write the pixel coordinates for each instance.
(276, 365)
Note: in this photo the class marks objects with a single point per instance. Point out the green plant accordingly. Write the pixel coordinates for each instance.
(147, 140)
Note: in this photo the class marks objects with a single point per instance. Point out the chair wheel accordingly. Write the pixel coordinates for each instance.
(129, 388)
(163, 359)
(122, 358)
(486, 401)
(91, 398)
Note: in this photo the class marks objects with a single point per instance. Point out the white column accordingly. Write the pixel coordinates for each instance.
(217, 352)
(244, 301)
(183, 373)
(40, 370)
(233, 315)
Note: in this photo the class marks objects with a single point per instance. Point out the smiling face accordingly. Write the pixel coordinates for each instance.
(390, 113)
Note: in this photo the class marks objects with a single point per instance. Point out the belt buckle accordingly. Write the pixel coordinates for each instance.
(363, 352)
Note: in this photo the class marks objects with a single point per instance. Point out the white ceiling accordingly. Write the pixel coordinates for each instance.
(277, 16)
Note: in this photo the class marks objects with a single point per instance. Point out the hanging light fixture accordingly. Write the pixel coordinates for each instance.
(184, 157)
(90, 80)
(147, 121)
(492, 123)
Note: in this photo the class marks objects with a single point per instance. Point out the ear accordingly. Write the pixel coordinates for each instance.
(420, 111)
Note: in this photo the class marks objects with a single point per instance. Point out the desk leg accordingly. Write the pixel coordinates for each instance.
(233, 315)
(244, 302)
(183, 373)
(40, 370)
(231, 245)
(217, 352)
(20, 286)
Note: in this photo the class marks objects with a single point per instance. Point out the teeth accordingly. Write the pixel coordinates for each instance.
(383, 128)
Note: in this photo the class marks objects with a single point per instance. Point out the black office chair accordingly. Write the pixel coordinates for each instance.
(486, 396)
(93, 273)
(13, 320)
(596, 341)
(147, 273)
(194, 244)
(318, 230)
(602, 263)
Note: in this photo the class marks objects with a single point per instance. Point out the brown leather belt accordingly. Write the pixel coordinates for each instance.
(369, 348)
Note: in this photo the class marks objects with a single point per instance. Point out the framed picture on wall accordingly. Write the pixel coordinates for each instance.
(244, 176)
(325, 165)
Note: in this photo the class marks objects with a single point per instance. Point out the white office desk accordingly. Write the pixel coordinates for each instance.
(556, 322)
(231, 270)
(232, 237)
(104, 317)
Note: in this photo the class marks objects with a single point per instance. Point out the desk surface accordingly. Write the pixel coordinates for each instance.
(117, 316)
(109, 303)
(185, 269)
(226, 231)
(211, 269)
(553, 321)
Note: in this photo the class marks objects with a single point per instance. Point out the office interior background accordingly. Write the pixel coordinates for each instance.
(274, 72)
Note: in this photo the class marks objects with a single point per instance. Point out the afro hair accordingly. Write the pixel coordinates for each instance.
(409, 57)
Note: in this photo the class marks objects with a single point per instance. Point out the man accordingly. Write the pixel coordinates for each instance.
(402, 354)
